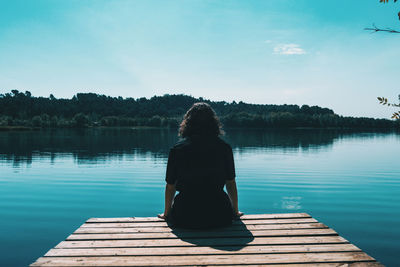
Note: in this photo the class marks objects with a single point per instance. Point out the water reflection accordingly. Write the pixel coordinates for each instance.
(100, 145)
(289, 203)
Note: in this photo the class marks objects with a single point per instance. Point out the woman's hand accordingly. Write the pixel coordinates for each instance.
(162, 216)
(169, 196)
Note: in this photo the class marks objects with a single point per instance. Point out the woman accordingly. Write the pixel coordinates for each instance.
(199, 166)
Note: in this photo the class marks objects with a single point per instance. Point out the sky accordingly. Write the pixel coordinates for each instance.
(266, 52)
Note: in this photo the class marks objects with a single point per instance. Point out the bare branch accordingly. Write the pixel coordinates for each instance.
(376, 29)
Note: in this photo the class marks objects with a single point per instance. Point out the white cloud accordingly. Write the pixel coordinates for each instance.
(288, 49)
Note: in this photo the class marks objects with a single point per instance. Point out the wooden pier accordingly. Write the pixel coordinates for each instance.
(289, 239)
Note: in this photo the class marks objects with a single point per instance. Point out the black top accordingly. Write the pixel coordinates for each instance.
(200, 164)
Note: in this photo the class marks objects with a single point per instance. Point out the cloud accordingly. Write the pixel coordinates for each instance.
(289, 49)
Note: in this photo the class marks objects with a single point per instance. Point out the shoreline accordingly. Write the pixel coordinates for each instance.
(31, 128)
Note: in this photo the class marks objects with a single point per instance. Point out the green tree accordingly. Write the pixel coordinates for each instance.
(81, 120)
(37, 121)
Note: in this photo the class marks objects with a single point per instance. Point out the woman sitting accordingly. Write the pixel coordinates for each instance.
(199, 166)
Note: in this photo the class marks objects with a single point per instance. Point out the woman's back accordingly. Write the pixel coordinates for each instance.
(200, 163)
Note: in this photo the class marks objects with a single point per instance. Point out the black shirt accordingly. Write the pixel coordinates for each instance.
(200, 164)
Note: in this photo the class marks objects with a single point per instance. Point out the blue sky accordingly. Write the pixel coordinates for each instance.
(269, 52)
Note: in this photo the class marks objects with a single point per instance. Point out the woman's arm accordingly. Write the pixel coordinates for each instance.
(169, 197)
(232, 193)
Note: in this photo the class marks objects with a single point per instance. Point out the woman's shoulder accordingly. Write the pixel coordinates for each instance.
(223, 143)
(181, 144)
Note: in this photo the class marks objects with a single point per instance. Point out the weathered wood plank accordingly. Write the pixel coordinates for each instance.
(204, 234)
(155, 219)
(254, 227)
(163, 223)
(331, 264)
(202, 250)
(205, 259)
(203, 242)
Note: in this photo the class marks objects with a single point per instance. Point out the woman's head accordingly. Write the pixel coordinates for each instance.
(200, 119)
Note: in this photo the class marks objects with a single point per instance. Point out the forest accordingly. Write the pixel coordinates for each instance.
(21, 109)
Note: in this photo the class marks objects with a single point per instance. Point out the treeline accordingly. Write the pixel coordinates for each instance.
(90, 110)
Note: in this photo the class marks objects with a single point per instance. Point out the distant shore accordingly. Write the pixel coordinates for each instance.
(27, 128)
(22, 111)
(19, 128)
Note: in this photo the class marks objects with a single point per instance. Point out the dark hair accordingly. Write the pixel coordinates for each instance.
(200, 119)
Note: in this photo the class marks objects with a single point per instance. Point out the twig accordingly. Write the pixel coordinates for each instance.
(376, 29)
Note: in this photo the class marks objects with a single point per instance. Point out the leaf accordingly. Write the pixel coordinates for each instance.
(379, 98)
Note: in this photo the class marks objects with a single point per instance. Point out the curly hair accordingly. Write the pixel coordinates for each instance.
(200, 119)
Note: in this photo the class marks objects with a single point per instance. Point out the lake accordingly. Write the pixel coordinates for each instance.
(53, 181)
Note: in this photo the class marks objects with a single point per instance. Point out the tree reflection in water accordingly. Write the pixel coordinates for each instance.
(102, 144)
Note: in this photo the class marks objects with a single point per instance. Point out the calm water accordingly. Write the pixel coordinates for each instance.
(52, 181)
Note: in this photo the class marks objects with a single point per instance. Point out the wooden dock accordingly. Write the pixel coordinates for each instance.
(289, 239)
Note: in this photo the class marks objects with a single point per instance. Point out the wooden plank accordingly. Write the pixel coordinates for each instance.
(163, 223)
(201, 250)
(256, 227)
(274, 216)
(155, 219)
(203, 242)
(204, 234)
(205, 259)
(338, 264)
